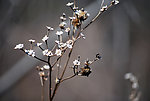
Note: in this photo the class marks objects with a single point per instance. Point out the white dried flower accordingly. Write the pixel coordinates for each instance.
(46, 52)
(104, 8)
(69, 43)
(135, 85)
(60, 44)
(115, 2)
(57, 80)
(46, 67)
(59, 32)
(62, 25)
(76, 62)
(39, 44)
(41, 74)
(133, 79)
(45, 38)
(72, 18)
(30, 52)
(19, 46)
(58, 52)
(50, 28)
(67, 30)
(128, 75)
(82, 35)
(31, 40)
(88, 14)
(69, 4)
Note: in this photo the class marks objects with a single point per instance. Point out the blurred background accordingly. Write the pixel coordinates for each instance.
(121, 35)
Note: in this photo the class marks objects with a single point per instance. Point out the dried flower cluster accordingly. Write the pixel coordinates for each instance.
(135, 93)
(74, 31)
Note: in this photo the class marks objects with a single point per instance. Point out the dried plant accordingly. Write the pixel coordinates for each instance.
(74, 30)
(135, 92)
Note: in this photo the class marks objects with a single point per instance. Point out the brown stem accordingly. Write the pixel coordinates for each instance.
(65, 67)
(42, 93)
(68, 78)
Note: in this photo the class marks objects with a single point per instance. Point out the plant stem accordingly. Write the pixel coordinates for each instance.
(50, 79)
(98, 14)
(65, 67)
(68, 78)
(42, 93)
(40, 59)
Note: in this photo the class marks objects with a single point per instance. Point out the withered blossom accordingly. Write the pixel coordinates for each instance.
(62, 25)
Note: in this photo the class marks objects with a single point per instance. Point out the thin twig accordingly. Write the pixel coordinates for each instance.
(65, 67)
(98, 14)
(68, 78)
(46, 44)
(40, 59)
(42, 93)
(50, 79)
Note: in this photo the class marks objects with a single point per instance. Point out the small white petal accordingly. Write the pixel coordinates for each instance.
(57, 80)
(31, 40)
(30, 52)
(50, 28)
(103, 8)
(69, 43)
(72, 18)
(58, 52)
(128, 75)
(19, 46)
(135, 85)
(59, 32)
(67, 29)
(88, 14)
(46, 52)
(76, 62)
(69, 4)
(116, 2)
(60, 44)
(46, 67)
(39, 44)
(82, 35)
(45, 38)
